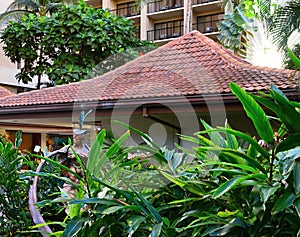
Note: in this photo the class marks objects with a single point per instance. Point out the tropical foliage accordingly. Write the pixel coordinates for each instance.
(14, 213)
(230, 184)
(40, 7)
(67, 45)
(279, 22)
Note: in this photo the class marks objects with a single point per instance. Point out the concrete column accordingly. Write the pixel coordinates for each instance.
(188, 12)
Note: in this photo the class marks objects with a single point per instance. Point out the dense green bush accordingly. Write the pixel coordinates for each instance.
(14, 213)
(220, 188)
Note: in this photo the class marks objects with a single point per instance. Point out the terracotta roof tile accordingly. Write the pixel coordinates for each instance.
(191, 65)
(5, 92)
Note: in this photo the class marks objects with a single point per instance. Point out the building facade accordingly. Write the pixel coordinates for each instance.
(164, 20)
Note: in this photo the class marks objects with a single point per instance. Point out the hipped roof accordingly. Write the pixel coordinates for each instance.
(192, 65)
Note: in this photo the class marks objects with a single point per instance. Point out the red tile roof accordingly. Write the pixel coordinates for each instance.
(192, 65)
(4, 92)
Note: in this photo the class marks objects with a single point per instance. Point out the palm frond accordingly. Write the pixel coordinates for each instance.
(284, 22)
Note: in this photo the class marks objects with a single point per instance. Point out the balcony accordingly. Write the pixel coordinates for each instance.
(164, 34)
(127, 11)
(196, 2)
(206, 5)
(207, 27)
(164, 5)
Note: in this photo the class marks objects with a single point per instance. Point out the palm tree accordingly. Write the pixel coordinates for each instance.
(277, 23)
(37, 7)
(284, 22)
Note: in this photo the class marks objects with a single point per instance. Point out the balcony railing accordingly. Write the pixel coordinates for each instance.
(126, 11)
(196, 2)
(165, 33)
(163, 5)
(207, 26)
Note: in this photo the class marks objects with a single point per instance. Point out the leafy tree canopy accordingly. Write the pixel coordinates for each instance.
(67, 45)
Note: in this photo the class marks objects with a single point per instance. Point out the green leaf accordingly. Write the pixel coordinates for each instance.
(114, 209)
(156, 230)
(294, 58)
(296, 176)
(288, 113)
(297, 205)
(112, 150)
(284, 201)
(231, 139)
(74, 226)
(244, 136)
(267, 191)
(233, 183)
(290, 142)
(233, 156)
(255, 113)
(96, 150)
(186, 185)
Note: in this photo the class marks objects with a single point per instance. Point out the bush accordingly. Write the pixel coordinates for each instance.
(14, 213)
(228, 189)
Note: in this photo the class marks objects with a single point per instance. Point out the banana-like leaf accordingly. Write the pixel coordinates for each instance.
(290, 115)
(233, 156)
(290, 142)
(294, 58)
(156, 230)
(296, 174)
(114, 209)
(74, 226)
(239, 166)
(214, 136)
(297, 205)
(233, 183)
(111, 151)
(231, 139)
(255, 113)
(189, 186)
(284, 201)
(244, 136)
(145, 136)
(96, 150)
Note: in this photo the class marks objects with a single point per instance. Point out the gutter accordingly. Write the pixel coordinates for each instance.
(197, 100)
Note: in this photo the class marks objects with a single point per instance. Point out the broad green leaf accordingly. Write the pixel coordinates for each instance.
(255, 113)
(74, 226)
(134, 223)
(297, 205)
(149, 206)
(186, 185)
(214, 136)
(226, 230)
(233, 183)
(267, 191)
(290, 142)
(225, 214)
(294, 58)
(156, 230)
(95, 201)
(284, 201)
(239, 166)
(234, 157)
(244, 136)
(231, 139)
(296, 175)
(96, 150)
(145, 136)
(289, 114)
(111, 151)
(114, 209)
